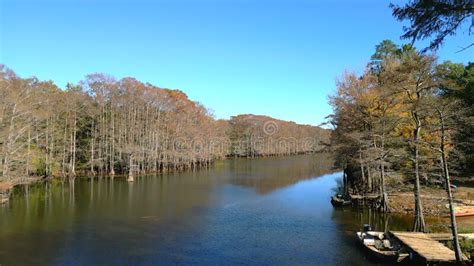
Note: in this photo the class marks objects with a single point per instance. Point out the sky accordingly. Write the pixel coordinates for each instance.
(279, 58)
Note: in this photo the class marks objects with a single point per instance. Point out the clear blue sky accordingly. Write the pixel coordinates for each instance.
(276, 58)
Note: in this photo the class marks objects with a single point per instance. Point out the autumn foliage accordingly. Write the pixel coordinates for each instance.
(104, 126)
(405, 120)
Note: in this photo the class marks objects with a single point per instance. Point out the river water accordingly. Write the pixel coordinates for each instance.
(268, 211)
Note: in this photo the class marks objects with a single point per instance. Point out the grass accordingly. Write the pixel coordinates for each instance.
(466, 230)
(467, 246)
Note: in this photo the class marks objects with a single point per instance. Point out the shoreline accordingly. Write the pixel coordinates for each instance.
(434, 202)
(7, 187)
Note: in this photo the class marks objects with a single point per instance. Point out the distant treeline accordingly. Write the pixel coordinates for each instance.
(106, 126)
(406, 119)
(253, 136)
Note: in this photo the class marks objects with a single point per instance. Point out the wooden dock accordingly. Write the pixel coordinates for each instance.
(427, 247)
(449, 237)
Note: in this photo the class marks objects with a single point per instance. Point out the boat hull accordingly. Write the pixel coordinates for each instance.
(468, 214)
(337, 202)
(384, 256)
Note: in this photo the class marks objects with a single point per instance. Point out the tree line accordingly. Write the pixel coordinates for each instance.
(254, 135)
(405, 120)
(104, 126)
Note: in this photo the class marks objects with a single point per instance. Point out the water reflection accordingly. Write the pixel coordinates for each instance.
(274, 173)
(264, 211)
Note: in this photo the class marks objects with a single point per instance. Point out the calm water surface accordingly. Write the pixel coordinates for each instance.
(269, 211)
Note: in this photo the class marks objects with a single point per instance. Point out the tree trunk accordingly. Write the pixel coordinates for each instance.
(28, 159)
(345, 183)
(63, 167)
(384, 197)
(74, 140)
(92, 149)
(454, 228)
(8, 146)
(369, 178)
(48, 162)
(362, 170)
(112, 151)
(419, 225)
(51, 153)
(130, 169)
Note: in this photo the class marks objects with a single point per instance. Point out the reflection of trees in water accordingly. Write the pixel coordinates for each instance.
(34, 211)
(46, 217)
(354, 219)
(38, 205)
(269, 174)
(44, 206)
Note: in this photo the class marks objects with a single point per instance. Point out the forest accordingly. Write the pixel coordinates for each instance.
(103, 126)
(406, 120)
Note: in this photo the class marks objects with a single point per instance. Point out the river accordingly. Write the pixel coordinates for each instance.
(267, 211)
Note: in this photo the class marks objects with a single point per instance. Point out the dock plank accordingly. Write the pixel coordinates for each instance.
(448, 236)
(426, 247)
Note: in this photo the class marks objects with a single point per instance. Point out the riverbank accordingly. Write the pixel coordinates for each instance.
(435, 205)
(434, 201)
(436, 210)
(6, 188)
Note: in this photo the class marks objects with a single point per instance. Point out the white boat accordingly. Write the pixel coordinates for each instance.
(378, 245)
